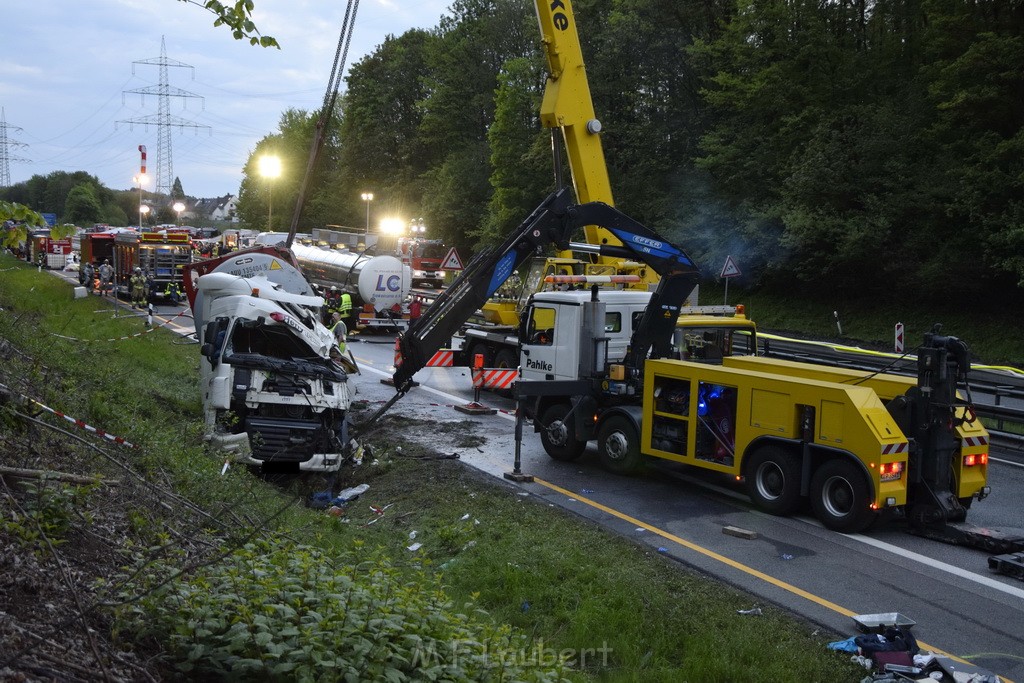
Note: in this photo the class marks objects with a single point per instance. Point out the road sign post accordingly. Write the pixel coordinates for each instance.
(729, 271)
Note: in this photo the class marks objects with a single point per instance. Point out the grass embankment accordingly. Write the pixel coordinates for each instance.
(226, 580)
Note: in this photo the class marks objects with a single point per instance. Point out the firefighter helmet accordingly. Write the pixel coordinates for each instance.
(138, 270)
(333, 288)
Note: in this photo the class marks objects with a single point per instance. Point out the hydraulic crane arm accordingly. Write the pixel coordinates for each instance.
(553, 222)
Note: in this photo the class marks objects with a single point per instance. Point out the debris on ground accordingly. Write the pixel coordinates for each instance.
(887, 648)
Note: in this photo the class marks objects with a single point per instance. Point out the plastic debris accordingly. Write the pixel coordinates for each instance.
(754, 612)
(639, 528)
(320, 500)
(863, 661)
(464, 517)
(585, 491)
(335, 511)
(662, 549)
(787, 556)
(525, 607)
(350, 494)
(415, 546)
(412, 535)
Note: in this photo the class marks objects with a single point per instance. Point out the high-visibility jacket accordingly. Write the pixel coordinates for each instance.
(340, 330)
(345, 307)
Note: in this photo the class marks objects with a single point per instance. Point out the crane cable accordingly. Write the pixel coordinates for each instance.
(326, 111)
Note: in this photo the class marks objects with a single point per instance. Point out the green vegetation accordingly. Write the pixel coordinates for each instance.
(203, 571)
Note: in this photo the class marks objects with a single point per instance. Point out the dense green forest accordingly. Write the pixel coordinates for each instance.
(875, 146)
(870, 148)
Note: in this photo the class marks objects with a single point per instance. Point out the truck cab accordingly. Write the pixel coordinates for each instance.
(555, 333)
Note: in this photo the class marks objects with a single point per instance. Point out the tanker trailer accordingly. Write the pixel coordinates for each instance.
(379, 285)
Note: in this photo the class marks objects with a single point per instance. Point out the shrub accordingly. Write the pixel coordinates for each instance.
(276, 610)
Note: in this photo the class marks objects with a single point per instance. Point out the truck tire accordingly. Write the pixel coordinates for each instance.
(558, 436)
(839, 497)
(506, 359)
(619, 445)
(773, 480)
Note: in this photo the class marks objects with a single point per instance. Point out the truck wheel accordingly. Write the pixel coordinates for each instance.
(839, 497)
(506, 358)
(558, 435)
(773, 480)
(619, 445)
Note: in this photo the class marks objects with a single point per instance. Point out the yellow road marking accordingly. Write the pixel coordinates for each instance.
(733, 563)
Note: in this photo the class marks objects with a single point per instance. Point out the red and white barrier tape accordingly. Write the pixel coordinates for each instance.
(76, 422)
(130, 336)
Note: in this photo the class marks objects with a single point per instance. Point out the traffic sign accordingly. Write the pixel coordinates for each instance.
(899, 338)
(452, 261)
(730, 269)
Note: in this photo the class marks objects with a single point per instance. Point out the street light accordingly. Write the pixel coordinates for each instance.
(367, 197)
(179, 207)
(141, 180)
(143, 212)
(270, 168)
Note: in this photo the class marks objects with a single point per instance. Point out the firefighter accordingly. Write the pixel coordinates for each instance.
(87, 274)
(339, 330)
(173, 292)
(138, 286)
(106, 276)
(345, 307)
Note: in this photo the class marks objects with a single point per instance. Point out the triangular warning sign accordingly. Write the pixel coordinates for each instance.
(730, 269)
(452, 261)
(274, 265)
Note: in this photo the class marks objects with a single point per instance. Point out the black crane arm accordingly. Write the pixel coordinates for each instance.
(553, 222)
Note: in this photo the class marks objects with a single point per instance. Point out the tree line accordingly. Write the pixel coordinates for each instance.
(875, 146)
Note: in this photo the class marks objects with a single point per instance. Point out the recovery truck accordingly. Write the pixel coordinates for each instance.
(274, 395)
(853, 445)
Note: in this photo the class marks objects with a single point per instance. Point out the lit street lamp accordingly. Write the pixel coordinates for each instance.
(179, 207)
(367, 197)
(143, 212)
(270, 168)
(141, 180)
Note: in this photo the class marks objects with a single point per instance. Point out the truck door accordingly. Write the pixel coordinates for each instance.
(550, 342)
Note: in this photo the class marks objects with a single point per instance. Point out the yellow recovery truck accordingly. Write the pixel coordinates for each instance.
(852, 444)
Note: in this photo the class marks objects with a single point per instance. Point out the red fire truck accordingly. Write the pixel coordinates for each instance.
(161, 256)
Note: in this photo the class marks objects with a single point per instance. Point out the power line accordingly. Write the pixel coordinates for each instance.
(163, 119)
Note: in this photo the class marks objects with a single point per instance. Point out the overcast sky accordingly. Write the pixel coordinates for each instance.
(66, 67)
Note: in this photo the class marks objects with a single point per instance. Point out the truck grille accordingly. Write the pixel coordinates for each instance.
(283, 440)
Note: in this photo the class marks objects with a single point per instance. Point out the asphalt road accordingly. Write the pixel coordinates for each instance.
(960, 607)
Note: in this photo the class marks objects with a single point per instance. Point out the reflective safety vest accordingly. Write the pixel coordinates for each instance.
(346, 304)
(339, 330)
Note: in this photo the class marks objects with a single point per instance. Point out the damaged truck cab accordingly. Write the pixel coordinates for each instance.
(273, 396)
